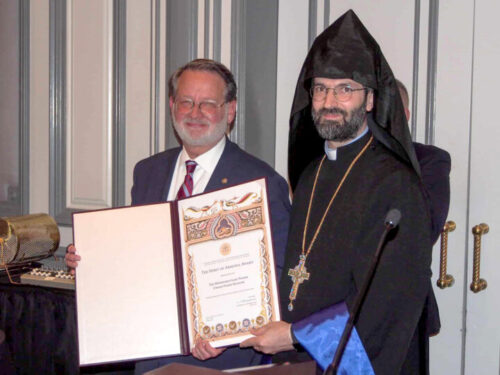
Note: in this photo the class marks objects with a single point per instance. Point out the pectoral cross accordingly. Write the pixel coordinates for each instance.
(298, 275)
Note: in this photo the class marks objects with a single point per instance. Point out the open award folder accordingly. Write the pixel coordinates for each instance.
(155, 278)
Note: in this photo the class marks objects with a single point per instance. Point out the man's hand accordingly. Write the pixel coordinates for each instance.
(72, 258)
(273, 338)
(203, 350)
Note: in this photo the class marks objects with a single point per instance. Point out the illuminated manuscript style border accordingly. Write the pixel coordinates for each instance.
(224, 219)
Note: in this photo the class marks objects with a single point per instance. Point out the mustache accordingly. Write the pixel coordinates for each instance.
(194, 121)
(331, 111)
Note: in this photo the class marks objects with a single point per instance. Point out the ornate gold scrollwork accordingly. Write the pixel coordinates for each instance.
(445, 280)
(478, 284)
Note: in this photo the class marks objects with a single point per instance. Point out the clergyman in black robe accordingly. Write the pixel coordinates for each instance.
(369, 154)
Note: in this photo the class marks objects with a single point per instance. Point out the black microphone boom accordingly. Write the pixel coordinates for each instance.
(391, 221)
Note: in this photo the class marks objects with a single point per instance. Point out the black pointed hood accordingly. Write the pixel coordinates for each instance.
(347, 50)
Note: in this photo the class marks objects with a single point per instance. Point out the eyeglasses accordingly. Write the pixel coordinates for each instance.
(186, 105)
(341, 92)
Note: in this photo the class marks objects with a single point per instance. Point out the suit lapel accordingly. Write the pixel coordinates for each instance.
(168, 173)
(222, 172)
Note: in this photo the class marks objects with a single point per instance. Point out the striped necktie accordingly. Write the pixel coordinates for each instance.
(186, 189)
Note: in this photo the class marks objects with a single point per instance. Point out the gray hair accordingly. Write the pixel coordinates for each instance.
(205, 65)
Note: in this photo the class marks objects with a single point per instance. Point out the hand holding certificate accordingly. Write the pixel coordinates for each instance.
(199, 268)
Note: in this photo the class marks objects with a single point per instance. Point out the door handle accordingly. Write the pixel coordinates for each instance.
(478, 284)
(445, 280)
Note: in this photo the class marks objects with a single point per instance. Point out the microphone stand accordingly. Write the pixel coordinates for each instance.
(333, 367)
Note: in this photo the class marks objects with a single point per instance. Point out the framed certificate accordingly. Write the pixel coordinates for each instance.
(154, 279)
(228, 263)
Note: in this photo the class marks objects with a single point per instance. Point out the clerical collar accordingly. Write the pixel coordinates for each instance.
(331, 153)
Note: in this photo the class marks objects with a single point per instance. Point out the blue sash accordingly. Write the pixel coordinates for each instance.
(320, 334)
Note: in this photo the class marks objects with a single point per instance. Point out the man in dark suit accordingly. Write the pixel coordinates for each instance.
(203, 106)
(202, 99)
(435, 165)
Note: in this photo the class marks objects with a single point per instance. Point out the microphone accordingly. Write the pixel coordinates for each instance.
(392, 220)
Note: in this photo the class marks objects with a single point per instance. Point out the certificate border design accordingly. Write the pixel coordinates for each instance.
(226, 218)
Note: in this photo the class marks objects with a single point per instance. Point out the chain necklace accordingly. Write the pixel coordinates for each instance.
(299, 274)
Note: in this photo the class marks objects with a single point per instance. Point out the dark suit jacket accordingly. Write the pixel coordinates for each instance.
(435, 166)
(152, 177)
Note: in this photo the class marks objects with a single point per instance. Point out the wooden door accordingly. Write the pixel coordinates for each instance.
(452, 132)
(466, 125)
(482, 329)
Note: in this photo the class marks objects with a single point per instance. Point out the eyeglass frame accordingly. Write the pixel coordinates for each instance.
(334, 90)
(199, 105)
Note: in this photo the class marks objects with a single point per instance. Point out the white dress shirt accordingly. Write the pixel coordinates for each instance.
(205, 165)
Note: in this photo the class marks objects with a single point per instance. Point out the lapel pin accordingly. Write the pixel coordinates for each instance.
(224, 180)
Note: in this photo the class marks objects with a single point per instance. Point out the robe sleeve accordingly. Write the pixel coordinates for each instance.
(394, 303)
(320, 334)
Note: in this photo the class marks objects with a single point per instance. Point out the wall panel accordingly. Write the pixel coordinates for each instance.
(86, 117)
(14, 107)
(89, 104)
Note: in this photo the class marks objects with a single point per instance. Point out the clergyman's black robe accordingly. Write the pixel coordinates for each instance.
(346, 243)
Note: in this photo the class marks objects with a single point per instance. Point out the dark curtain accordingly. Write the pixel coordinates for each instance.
(40, 329)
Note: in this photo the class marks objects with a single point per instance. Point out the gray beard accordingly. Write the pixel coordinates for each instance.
(339, 131)
(207, 139)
